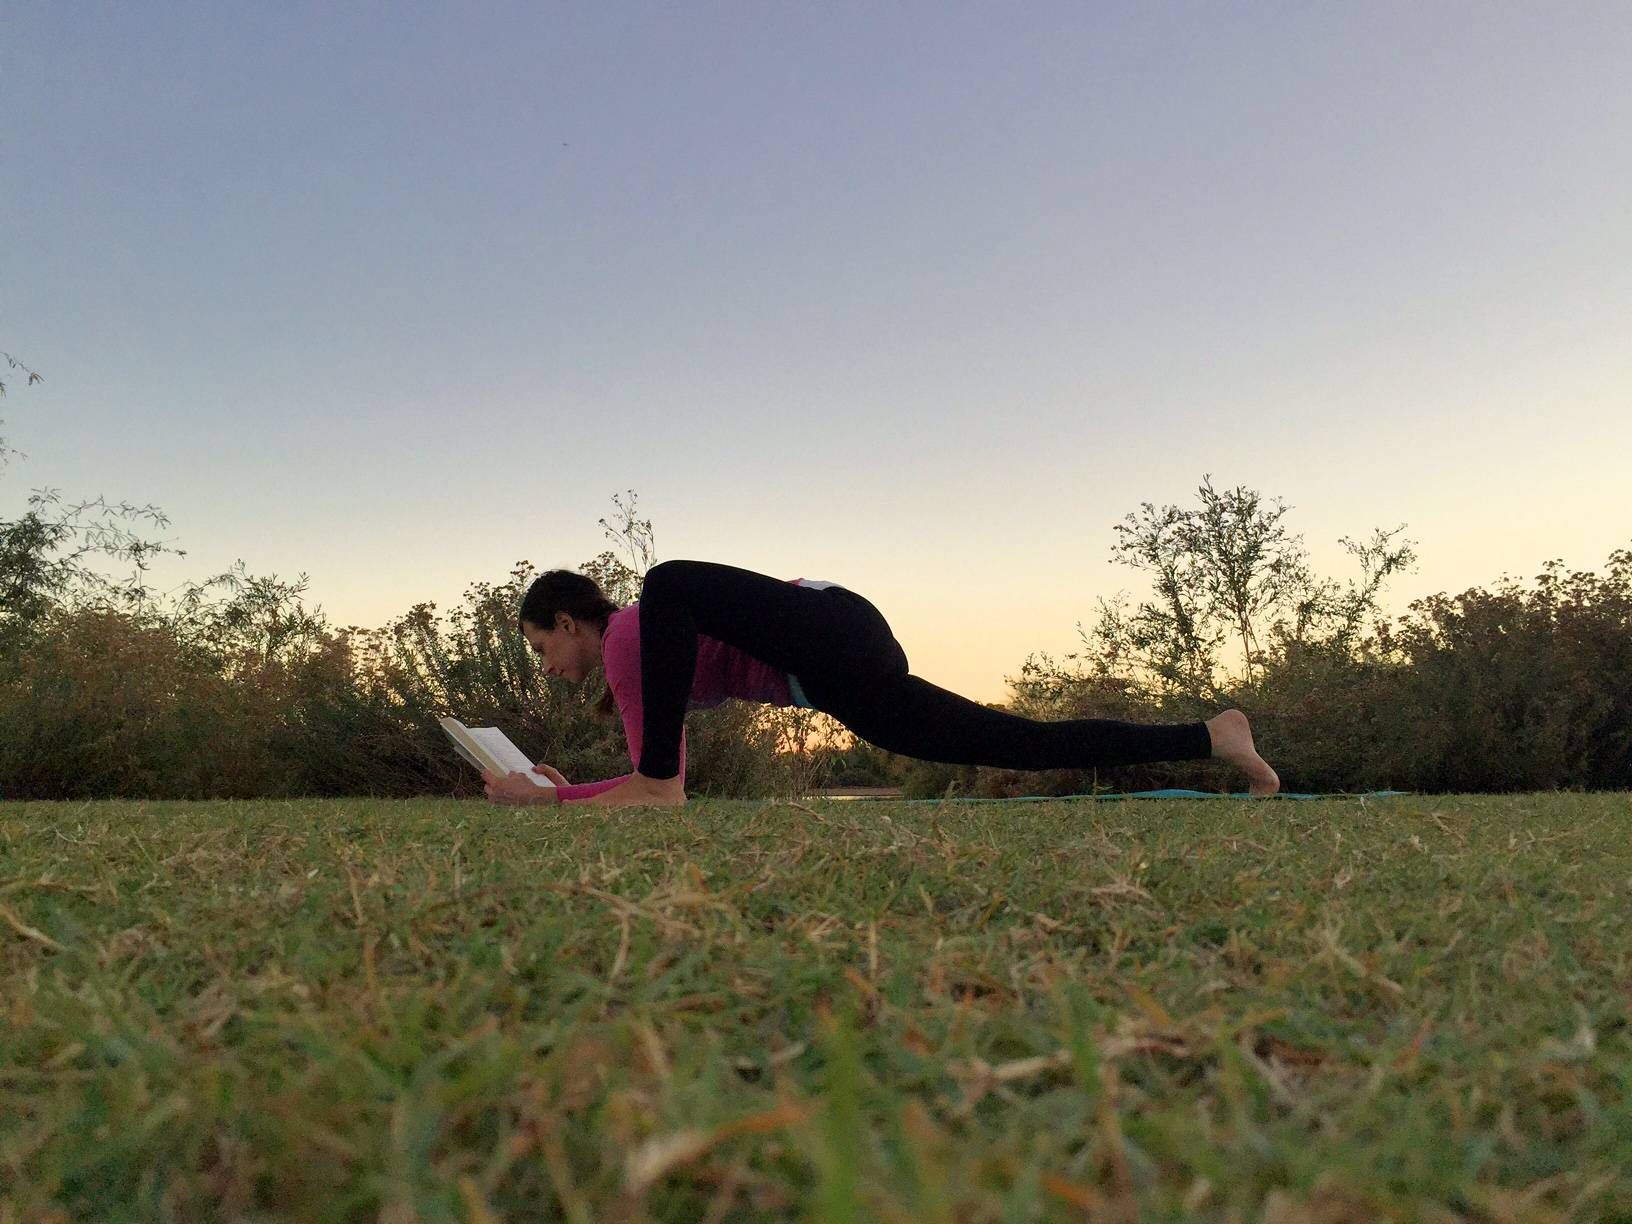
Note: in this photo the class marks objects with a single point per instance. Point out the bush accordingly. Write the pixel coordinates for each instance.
(107, 703)
(1522, 690)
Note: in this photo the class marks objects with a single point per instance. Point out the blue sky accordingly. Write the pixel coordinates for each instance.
(920, 298)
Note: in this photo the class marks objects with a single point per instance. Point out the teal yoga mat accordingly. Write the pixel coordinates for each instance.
(1154, 794)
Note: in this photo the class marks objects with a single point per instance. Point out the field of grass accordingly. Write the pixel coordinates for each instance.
(1412, 1008)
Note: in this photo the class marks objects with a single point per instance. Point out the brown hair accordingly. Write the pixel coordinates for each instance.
(581, 598)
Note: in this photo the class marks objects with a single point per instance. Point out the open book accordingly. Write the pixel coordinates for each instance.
(490, 748)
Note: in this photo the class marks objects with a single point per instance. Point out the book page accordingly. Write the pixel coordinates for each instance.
(505, 754)
(448, 725)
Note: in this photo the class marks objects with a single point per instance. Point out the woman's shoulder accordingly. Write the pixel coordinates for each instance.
(622, 628)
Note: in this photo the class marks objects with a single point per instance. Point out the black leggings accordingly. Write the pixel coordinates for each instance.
(850, 666)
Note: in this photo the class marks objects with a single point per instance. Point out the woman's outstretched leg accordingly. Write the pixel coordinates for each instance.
(910, 716)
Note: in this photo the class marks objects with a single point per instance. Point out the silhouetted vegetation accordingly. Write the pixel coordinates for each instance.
(235, 688)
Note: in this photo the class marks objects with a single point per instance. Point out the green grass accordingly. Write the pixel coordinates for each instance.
(1409, 1008)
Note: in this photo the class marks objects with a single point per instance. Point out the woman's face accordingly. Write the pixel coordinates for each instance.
(571, 650)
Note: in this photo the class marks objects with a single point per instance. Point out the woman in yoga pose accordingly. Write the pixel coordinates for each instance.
(702, 632)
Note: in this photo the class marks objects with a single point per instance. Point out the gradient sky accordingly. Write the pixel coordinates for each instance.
(918, 298)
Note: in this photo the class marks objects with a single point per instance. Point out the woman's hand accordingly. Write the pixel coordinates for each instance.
(517, 789)
(553, 775)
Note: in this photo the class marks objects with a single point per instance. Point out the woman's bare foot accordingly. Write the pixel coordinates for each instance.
(1232, 742)
(640, 791)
